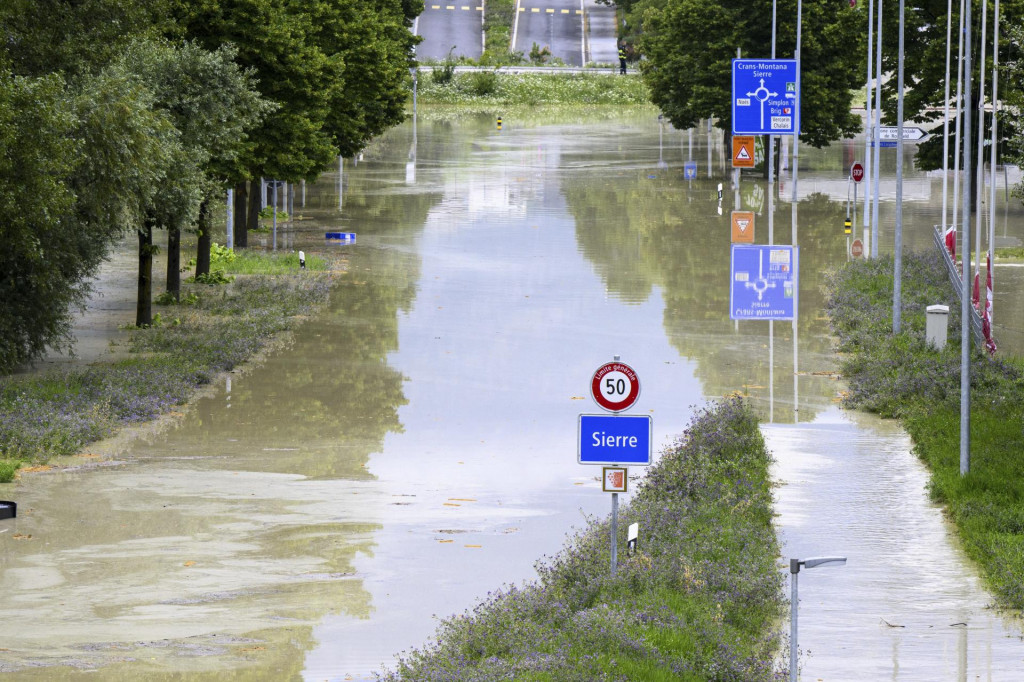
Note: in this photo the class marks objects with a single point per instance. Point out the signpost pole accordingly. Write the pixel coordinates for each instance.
(615, 532)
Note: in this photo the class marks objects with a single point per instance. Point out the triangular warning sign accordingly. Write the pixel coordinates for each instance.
(742, 154)
(742, 224)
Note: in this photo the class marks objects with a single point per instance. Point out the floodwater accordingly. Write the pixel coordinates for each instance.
(414, 446)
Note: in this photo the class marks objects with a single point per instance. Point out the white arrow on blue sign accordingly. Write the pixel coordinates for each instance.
(764, 96)
(764, 282)
(615, 439)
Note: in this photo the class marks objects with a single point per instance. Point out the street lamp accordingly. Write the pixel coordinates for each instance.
(794, 570)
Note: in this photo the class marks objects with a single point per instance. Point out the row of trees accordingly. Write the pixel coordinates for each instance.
(690, 79)
(136, 115)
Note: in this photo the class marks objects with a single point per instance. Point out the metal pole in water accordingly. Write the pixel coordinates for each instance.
(794, 571)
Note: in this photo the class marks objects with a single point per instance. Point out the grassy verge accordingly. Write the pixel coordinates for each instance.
(509, 89)
(900, 377)
(60, 412)
(700, 600)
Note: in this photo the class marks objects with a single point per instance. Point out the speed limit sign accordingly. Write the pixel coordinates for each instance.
(615, 386)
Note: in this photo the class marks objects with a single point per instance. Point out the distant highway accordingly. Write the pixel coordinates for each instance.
(554, 24)
(446, 24)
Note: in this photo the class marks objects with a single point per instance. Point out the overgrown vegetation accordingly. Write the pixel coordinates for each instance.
(531, 89)
(700, 599)
(60, 412)
(901, 377)
(498, 20)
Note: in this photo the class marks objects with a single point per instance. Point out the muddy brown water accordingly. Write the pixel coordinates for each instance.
(414, 446)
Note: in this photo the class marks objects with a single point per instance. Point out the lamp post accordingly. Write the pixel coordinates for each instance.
(794, 570)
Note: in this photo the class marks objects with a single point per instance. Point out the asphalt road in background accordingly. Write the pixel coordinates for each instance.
(555, 24)
(447, 25)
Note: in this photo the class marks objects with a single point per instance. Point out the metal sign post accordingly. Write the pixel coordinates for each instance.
(614, 440)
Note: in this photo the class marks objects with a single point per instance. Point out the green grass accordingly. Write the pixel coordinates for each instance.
(899, 376)
(60, 412)
(249, 262)
(531, 89)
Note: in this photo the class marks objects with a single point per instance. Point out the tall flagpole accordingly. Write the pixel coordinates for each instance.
(945, 117)
(980, 174)
(878, 123)
(867, 122)
(959, 112)
(992, 159)
(965, 284)
(897, 269)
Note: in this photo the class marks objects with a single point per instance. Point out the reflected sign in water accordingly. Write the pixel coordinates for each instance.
(764, 282)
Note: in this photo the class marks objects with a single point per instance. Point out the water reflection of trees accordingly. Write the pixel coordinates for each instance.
(644, 231)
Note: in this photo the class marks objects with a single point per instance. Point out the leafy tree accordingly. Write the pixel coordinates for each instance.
(925, 64)
(691, 80)
(212, 103)
(74, 37)
(370, 49)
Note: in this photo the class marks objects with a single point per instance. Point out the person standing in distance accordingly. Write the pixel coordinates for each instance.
(622, 59)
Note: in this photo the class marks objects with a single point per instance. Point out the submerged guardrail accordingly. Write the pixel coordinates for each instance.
(957, 283)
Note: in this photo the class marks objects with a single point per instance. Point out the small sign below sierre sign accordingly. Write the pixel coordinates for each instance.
(615, 479)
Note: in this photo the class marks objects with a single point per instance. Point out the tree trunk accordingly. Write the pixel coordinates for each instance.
(204, 241)
(254, 204)
(174, 262)
(144, 305)
(241, 222)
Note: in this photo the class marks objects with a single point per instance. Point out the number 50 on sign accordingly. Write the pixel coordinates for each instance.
(615, 386)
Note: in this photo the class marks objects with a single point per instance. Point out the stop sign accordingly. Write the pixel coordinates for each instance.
(857, 172)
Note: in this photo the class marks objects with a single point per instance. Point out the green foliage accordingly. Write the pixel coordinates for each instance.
(690, 80)
(511, 89)
(252, 262)
(168, 298)
(268, 212)
(213, 277)
(8, 469)
(899, 376)
(539, 55)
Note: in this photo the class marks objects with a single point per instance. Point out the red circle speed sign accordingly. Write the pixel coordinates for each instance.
(615, 386)
(857, 172)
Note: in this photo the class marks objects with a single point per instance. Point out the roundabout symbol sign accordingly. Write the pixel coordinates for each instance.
(615, 386)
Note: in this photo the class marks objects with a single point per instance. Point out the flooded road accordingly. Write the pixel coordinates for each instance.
(415, 446)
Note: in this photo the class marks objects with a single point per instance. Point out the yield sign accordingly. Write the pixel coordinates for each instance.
(743, 151)
(742, 227)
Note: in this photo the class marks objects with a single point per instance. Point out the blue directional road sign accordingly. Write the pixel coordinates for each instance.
(690, 170)
(764, 96)
(764, 282)
(615, 439)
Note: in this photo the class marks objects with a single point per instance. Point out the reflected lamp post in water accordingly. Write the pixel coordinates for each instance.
(794, 570)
